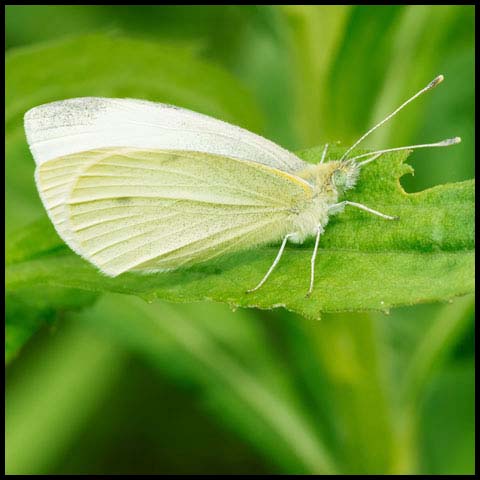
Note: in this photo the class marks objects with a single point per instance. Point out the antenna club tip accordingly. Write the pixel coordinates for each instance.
(451, 141)
(436, 81)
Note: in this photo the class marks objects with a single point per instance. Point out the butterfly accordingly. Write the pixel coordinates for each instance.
(133, 185)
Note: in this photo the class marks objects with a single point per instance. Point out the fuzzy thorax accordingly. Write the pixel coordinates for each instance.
(329, 181)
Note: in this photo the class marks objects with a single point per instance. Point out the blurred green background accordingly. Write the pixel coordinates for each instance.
(122, 386)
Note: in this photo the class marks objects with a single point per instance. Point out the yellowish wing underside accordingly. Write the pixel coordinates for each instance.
(130, 209)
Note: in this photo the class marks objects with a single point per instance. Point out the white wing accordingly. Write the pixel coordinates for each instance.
(130, 209)
(80, 124)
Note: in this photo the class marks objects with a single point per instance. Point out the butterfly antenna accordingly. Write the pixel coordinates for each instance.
(443, 143)
(431, 85)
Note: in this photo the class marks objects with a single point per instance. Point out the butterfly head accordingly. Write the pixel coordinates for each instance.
(333, 177)
(344, 175)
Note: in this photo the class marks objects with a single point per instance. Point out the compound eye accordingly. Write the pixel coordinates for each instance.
(339, 178)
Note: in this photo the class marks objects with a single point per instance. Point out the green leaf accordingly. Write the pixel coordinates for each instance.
(364, 262)
(28, 308)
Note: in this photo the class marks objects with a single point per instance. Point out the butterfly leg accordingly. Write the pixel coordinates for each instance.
(312, 260)
(339, 206)
(274, 264)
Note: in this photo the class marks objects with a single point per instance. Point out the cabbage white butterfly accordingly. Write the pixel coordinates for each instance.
(133, 185)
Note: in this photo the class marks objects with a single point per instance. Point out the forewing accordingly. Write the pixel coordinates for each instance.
(131, 209)
(76, 125)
